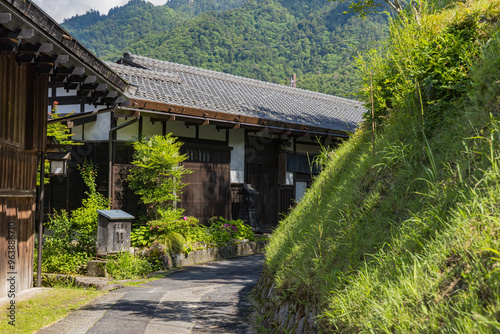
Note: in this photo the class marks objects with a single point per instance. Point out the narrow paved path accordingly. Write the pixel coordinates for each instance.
(206, 298)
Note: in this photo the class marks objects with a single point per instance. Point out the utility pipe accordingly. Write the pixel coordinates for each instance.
(110, 153)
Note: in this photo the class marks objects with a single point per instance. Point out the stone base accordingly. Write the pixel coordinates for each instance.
(280, 316)
(97, 268)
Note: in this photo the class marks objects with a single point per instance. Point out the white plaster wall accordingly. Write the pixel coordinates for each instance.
(77, 131)
(68, 109)
(127, 133)
(60, 91)
(149, 129)
(98, 130)
(211, 132)
(237, 142)
(179, 129)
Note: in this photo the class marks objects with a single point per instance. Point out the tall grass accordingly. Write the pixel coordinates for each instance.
(406, 240)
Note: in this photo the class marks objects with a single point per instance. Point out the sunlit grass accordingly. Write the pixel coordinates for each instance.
(406, 240)
(45, 308)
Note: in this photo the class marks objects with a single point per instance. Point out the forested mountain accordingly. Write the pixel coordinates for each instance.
(262, 39)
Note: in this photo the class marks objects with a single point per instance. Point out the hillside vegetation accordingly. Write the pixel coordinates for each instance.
(262, 39)
(406, 239)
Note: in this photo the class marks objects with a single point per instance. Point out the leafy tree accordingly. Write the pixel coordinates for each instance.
(261, 39)
(157, 174)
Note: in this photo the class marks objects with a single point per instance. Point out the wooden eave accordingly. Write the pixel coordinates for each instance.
(37, 38)
(168, 112)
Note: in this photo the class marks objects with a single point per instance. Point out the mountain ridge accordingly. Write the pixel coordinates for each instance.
(266, 40)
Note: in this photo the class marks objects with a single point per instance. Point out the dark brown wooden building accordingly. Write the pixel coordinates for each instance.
(36, 56)
(235, 130)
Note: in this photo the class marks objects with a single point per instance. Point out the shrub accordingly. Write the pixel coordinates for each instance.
(126, 266)
(224, 231)
(74, 234)
(173, 242)
(171, 230)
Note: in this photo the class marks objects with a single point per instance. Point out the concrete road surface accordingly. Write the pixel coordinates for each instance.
(206, 298)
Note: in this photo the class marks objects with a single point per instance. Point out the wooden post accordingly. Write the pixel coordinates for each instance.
(40, 221)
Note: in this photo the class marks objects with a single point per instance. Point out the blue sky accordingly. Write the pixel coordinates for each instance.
(63, 9)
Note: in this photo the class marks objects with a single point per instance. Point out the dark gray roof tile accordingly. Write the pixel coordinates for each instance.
(193, 87)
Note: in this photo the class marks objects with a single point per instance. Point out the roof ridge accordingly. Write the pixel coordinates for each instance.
(240, 79)
(147, 73)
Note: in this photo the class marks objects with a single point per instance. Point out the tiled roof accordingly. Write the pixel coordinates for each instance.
(187, 86)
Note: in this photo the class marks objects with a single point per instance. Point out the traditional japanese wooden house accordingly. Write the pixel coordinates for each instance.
(37, 57)
(235, 131)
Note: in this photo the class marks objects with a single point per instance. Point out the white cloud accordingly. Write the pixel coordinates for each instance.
(63, 9)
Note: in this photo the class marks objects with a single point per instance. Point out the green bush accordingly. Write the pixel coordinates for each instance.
(74, 234)
(174, 242)
(225, 231)
(127, 266)
(171, 230)
(141, 236)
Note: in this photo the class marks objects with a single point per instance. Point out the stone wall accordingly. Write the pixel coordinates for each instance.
(280, 315)
(217, 253)
(204, 255)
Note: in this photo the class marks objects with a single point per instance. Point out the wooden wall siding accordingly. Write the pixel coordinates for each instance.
(61, 195)
(237, 200)
(208, 192)
(124, 197)
(17, 171)
(23, 117)
(286, 199)
(19, 211)
(262, 158)
(197, 152)
(23, 96)
(12, 100)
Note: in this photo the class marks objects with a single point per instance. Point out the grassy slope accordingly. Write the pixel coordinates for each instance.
(406, 239)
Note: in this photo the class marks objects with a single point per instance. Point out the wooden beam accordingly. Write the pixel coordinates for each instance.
(20, 58)
(62, 70)
(247, 122)
(112, 94)
(19, 34)
(7, 45)
(45, 47)
(17, 193)
(65, 100)
(34, 48)
(76, 78)
(102, 87)
(126, 113)
(90, 79)
(5, 18)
